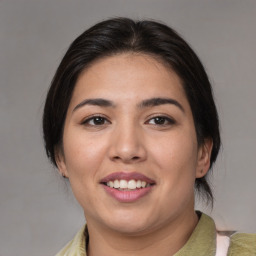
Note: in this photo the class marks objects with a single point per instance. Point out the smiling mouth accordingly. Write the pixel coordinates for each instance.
(127, 185)
(124, 181)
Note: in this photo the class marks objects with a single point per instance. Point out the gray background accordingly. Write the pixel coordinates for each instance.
(38, 214)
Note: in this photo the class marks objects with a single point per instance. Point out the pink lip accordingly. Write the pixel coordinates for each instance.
(125, 196)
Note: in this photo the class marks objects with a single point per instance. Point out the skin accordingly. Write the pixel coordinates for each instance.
(128, 138)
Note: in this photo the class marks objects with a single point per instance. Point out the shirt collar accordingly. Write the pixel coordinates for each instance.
(203, 239)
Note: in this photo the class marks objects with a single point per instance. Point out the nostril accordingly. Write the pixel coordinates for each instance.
(127, 159)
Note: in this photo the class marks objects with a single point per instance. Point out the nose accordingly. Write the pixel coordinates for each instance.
(128, 144)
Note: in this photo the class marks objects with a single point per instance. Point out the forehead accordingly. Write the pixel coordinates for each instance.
(129, 77)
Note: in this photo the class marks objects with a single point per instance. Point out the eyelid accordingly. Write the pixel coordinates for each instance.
(90, 117)
(171, 120)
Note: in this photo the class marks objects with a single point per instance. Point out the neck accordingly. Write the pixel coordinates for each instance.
(164, 241)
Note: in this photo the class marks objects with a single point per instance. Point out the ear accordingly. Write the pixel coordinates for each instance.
(60, 161)
(204, 157)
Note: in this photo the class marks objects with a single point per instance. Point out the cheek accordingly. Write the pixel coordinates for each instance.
(177, 157)
(83, 155)
(83, 158)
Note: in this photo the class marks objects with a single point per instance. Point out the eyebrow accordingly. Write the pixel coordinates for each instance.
(160, 101)
(95, 102)
(144, 104)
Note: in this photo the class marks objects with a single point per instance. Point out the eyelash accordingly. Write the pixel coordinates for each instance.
(169, 120)
(94, 118)
(164, 121)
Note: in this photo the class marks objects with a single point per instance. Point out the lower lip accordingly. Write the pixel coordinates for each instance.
(127, 196)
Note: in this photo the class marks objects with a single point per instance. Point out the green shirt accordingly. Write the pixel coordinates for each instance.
(202, 242)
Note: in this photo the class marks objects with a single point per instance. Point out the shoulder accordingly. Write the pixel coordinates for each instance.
(243, 244)
(76, 247)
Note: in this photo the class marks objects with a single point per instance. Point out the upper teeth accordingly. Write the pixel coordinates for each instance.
(130, 184)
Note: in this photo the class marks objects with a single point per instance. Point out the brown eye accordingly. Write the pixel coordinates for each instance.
(161, 120)
(96, 121)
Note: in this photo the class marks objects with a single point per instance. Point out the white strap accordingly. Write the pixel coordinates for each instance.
(222, 245)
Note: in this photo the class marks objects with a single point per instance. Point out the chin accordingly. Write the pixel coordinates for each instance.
(129, 224)
(130, 229)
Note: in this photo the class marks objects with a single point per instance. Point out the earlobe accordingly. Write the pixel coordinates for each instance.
(204, 158)
(60, 161)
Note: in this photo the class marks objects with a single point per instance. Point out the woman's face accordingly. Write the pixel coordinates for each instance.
(129, 125)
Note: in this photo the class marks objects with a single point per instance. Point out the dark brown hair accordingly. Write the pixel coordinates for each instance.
(121, 35)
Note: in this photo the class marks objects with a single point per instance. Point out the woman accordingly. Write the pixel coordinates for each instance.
(130, 120)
